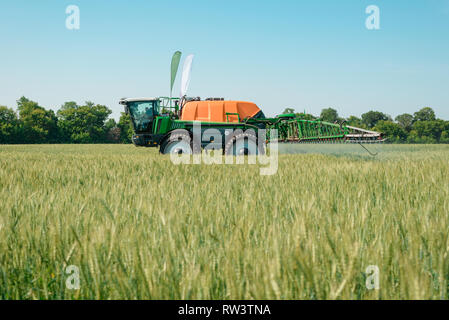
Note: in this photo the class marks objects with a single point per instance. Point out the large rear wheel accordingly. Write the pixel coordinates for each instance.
(243, 144)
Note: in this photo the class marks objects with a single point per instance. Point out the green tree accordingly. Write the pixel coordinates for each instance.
(413, 137)
(9, 126)
(112, 131)
(126, 130)
(68, 105)
(405, 121)
(425, 114)
(355, 122)
(392, 131)
(113, 135)
(38, 125)
(110, 124)
(84, 124)
(428, 131)
(371, 118)
(444, 137)
(288, 111)
(329, 115)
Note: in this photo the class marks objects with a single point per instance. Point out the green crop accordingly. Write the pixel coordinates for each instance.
(139, 227)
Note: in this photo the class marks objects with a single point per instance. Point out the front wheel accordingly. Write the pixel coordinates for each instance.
(179, 142)
(177, 147)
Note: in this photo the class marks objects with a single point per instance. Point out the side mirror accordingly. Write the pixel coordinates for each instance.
(126, 109)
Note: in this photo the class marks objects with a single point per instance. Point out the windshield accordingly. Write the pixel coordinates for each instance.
(142, 113)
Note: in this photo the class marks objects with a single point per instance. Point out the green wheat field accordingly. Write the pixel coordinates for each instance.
(139, 227)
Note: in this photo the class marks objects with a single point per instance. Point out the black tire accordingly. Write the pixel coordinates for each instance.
(246, 140)
(183, 139)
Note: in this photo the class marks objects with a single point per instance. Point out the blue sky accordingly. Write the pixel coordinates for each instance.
(303, 54)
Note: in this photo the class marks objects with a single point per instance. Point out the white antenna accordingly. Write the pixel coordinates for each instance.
(185, 79)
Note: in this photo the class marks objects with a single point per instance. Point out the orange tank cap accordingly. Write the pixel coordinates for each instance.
(215, 111)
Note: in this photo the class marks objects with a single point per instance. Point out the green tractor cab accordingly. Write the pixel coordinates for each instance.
(148, 116)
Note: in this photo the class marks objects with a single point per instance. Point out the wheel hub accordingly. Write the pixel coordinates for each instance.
(178, 151)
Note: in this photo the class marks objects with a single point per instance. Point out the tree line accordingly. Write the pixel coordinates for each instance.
(421, 127)
(72, 123)
(90, 123)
